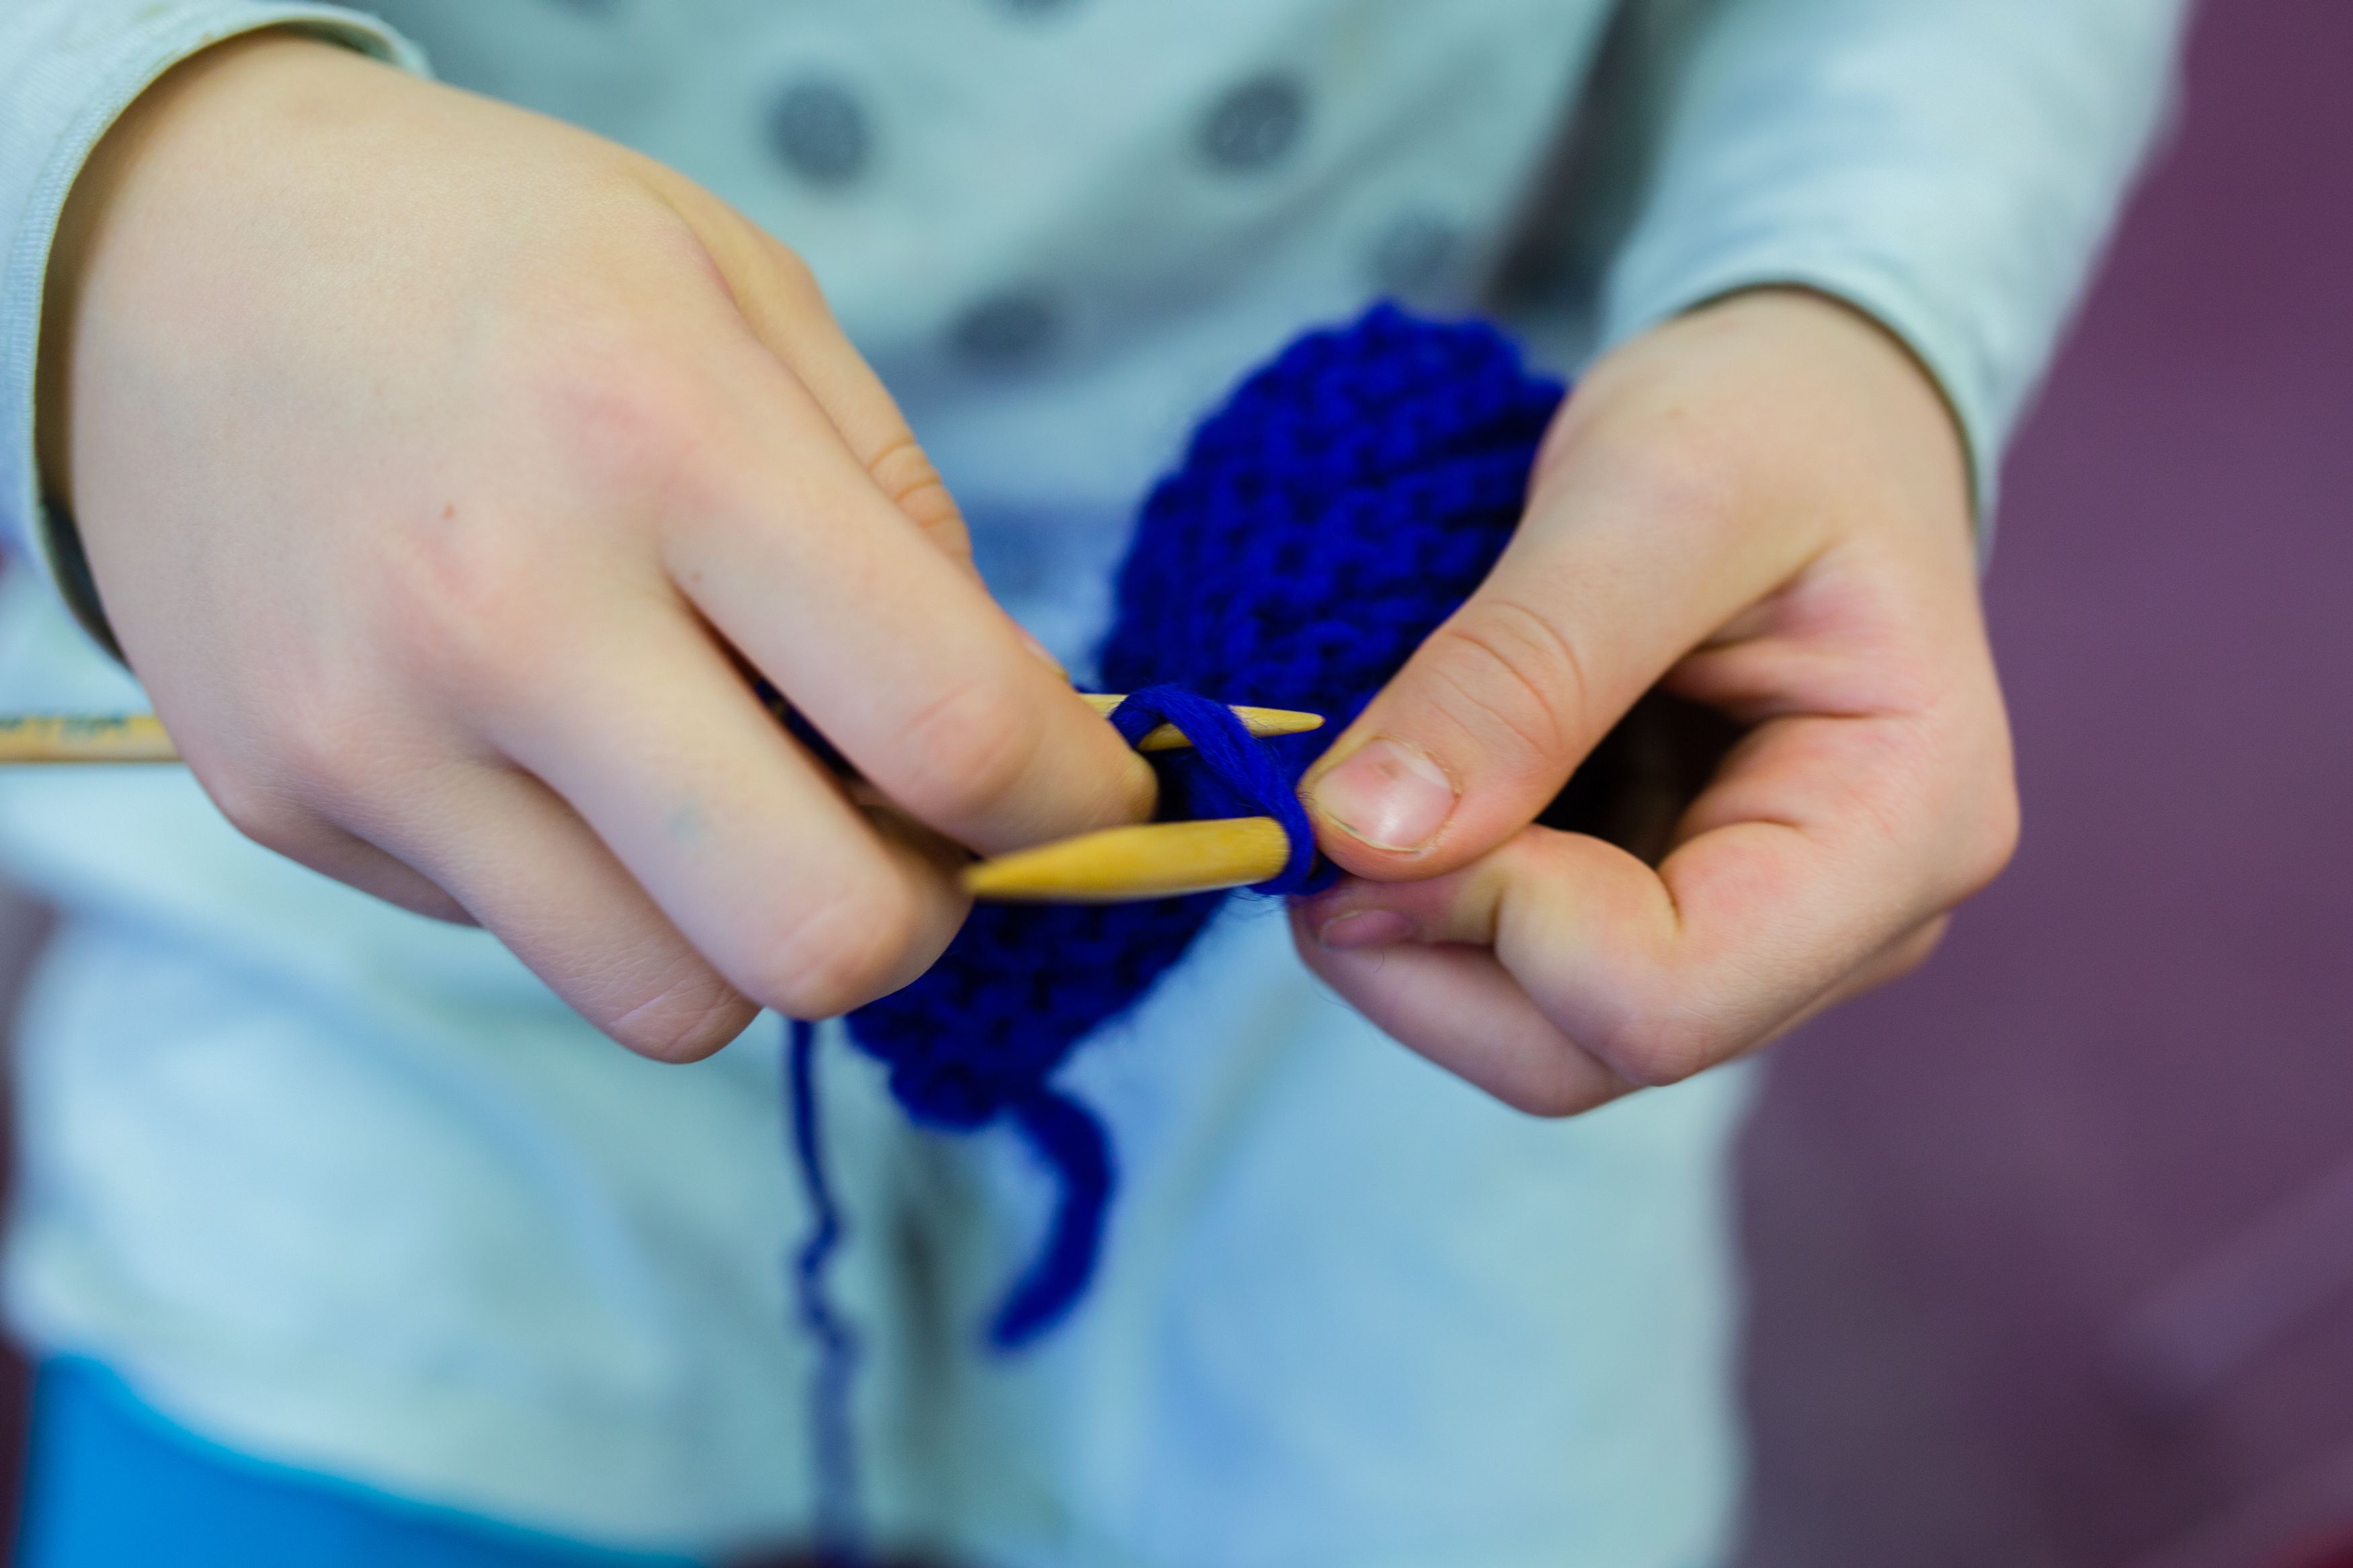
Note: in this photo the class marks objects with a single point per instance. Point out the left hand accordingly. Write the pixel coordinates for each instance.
(1762, 507)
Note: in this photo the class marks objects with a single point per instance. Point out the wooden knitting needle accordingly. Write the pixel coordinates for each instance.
(1260, 722)
(139, 738)
(1120, 865)
(99, 738)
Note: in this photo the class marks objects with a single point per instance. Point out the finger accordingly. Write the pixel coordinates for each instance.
(526, 867)
(1623, 563)
(738, 836)
(1824, 847)
(896, 655)
(781, 301)
(470, 844)
(1460, 1007)
(1899, 957)
(790, 316)
(310, 840)
(788, 313)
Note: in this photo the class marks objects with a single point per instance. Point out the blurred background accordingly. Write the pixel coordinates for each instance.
(2051, 1246)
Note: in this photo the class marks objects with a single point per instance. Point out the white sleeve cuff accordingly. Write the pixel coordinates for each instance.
(1950, 171)
(67, 70)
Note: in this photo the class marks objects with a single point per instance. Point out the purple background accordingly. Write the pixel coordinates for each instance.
(2051, 1245)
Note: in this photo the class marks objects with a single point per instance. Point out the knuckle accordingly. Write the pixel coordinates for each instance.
(1550, 1097)
(605, 386)
(685, 1020)
(791, 276)
(263, 811)
(637, 431)
(323, 754)
(1656, 1047)
(308, 777)
(1993, 839)
(968, 751)
(324, 733)
(1976, 834)
(466, 603)
(1506, 666)
(1919, 949)
(837, 952)
(904, 473)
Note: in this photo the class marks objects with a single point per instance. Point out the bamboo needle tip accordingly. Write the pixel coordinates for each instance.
(1120, 865)
(1262, 722)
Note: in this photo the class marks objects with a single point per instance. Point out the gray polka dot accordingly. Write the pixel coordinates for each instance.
(1009, 330)
(1415, 254)
(820, 130)
(1255, 124)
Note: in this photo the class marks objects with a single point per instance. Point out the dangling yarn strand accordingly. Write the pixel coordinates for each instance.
(1067, 1137)
(833, 1448)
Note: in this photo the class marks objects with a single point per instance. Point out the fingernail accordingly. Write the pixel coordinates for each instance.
(1389, 794)
(1364, 928)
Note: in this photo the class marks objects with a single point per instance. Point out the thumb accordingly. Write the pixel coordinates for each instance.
(1610, 582)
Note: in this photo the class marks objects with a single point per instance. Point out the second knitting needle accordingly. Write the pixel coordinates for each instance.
(1260, 722)
(140, 737)
(1151, 860)
(73, 738)
(1120, 864)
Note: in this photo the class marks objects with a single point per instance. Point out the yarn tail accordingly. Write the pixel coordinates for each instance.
(832, 1446)
(1067, 1136)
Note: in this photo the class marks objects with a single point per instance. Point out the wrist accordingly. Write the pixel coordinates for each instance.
(176, 105)
(1873, 390)
(1774, 407)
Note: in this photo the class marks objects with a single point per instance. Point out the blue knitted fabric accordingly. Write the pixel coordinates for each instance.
(1344, 500)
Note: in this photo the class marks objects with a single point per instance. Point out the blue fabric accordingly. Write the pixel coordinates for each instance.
(112, 1484)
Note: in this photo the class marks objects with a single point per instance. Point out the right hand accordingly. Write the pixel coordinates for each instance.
(436, 462)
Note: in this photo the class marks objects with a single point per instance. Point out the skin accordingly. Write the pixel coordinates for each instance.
(431, 458)
(437, 463)
(1763, 508)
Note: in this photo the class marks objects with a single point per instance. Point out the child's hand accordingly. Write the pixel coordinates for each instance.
(1764, 507)
(431, 458)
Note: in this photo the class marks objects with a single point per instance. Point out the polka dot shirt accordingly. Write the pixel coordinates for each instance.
(1060, 227)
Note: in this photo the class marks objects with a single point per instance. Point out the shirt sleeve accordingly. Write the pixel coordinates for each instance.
(68, 69)
(1950, 169)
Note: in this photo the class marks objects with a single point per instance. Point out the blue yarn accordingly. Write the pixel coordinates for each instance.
(1228, 772)
(1344, 500)
(1071, 1142)
(835, 1451)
